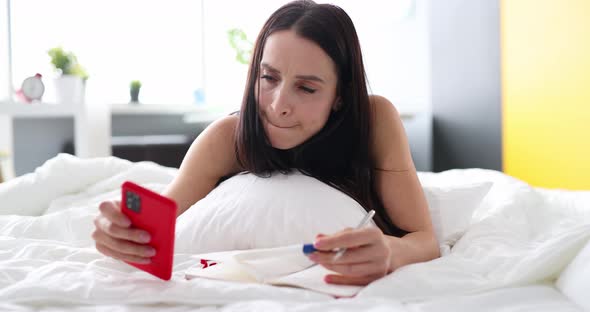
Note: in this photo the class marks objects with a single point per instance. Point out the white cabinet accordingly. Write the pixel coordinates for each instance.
(92, 126)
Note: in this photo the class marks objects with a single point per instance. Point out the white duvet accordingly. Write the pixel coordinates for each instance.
(520, 239)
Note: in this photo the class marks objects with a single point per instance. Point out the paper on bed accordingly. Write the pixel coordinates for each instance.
(283, 266)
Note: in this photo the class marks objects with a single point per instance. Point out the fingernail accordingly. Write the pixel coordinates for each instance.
(150, 252)
(126, 223)
(327, 279)
(318, 243)
(309, 249)
(145, 237)
(145, 261)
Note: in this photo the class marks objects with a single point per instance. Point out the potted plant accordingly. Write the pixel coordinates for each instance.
(71, 78)
(134, 91)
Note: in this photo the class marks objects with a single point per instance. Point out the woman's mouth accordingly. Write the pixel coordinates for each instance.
(279, 126)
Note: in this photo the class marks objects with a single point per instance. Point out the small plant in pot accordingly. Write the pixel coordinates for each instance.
(134, 91)
(71, 78)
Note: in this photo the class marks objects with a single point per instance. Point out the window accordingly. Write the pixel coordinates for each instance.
(226, 77)
(156, 42)
(393, 43)
(178, 48)
(4, 73)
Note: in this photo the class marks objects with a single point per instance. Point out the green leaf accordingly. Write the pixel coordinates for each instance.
(66, 63)
(240, 43)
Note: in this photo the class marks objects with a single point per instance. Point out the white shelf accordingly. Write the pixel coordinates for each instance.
(36, 109)
(192, 113)
(42, 110)
(157, 109)
(407, 115)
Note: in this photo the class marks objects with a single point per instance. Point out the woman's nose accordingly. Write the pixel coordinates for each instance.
(281, 105)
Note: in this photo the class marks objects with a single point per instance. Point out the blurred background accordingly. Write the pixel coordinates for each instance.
(494, 84)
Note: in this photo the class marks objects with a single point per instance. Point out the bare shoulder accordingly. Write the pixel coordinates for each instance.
(382, 108)
(222, 128)
(212, 154)
(389, 143)
(210, 157)
(217, 145)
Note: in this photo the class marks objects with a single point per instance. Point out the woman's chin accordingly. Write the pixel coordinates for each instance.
(282, 145)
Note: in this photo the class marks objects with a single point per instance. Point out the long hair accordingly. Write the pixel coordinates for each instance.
(339, 154)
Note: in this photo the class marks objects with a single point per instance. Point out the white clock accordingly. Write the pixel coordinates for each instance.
(33, 88)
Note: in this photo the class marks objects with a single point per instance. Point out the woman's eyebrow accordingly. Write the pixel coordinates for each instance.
(304, 77)
(269, 68)
(310, 77)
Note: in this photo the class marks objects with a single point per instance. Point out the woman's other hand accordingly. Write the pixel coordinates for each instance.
(368, 257)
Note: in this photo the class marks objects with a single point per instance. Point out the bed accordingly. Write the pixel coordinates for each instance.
(521, 249)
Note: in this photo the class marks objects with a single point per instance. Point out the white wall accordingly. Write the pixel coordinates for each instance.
(395, 49)
(466, 86)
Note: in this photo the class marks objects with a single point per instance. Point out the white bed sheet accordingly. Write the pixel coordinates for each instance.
(534, 298)
(519, 242)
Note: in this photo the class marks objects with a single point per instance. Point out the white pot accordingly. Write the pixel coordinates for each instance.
(69, 89)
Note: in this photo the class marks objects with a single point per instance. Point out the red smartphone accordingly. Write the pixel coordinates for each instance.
(155, 214)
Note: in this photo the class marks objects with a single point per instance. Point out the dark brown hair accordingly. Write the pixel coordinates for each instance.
(339, 154)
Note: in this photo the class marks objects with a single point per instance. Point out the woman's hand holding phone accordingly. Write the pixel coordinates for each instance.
(115, 237)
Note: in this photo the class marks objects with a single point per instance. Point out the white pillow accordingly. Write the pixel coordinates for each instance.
(246, 212)
(574, 281)
(451, 209)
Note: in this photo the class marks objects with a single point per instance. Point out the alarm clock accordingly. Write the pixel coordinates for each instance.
(33, 88)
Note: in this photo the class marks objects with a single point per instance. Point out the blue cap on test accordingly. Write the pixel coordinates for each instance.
(308, 248)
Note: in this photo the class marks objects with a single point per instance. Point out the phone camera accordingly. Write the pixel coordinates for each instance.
(133, 201)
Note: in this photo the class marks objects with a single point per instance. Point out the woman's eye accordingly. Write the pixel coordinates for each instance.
(267, 77)
(306, 89)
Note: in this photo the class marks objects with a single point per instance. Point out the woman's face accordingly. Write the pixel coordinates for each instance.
(297, 89)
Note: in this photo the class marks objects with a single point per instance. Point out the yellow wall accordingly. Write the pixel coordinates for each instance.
(545, 46)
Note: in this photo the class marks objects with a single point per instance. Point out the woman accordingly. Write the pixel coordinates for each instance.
(306, 107)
